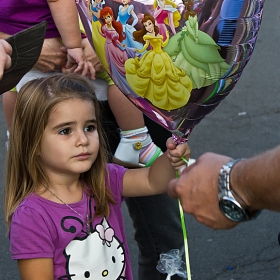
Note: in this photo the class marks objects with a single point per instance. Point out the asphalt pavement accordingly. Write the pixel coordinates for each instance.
(244, 124)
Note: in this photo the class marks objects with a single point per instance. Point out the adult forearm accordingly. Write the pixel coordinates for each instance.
(257, 180)
(52, 58)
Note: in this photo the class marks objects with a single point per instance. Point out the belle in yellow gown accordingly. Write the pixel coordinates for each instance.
(154, 76)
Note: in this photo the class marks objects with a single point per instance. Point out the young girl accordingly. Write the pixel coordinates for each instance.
(62, 199)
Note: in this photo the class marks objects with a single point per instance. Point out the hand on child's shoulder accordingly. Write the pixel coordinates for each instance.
(175, 153)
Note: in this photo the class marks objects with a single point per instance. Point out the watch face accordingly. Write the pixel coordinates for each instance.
(232, 211)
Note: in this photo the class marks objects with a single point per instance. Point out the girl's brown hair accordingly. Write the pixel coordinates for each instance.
(25, 170)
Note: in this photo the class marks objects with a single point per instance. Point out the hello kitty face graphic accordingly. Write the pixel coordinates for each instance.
(98, 256)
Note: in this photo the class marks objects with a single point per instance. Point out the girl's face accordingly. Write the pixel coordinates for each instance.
(108, 19)
(149, 26)
(125, 2)
(70, 142)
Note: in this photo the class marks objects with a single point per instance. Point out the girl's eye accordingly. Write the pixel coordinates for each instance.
(90, 128)
(65, 131)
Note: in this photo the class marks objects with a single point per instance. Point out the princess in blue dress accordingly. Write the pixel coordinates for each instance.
(125, 12)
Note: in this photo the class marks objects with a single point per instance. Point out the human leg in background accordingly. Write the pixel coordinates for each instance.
(136, 145)
(157, 224)
(156, 219)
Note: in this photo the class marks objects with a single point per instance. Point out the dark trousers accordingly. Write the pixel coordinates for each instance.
(156, 219)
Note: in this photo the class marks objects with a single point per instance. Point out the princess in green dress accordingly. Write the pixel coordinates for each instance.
(154, 76)
(198, 54)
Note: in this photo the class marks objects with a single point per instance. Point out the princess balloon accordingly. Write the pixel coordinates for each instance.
(176, 60)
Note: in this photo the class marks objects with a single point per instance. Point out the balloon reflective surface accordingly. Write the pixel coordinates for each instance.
(175, 60)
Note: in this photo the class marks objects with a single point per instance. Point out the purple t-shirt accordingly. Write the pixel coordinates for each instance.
(18, 15)
(44, 229)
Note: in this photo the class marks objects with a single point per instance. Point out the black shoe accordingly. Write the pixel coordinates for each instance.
(27, 46)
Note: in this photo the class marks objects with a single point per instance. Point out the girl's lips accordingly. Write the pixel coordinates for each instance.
(83, 156)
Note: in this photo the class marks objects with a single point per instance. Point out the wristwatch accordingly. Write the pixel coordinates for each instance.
(232, 206)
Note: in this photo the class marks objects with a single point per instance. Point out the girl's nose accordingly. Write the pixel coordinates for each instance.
(82, 138)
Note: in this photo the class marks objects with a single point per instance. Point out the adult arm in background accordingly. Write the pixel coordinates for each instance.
(53, 56)
(255, 180)
(5, 56)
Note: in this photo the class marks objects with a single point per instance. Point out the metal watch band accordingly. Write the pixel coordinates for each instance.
(224, 174)
(226, 196)
(225, 190)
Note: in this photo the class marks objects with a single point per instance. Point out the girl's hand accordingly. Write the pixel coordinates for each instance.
(76, 56)
(176, 152)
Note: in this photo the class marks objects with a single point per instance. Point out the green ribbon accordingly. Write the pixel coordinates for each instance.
(187, 258)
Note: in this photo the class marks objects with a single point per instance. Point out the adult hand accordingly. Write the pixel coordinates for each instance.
(197, 189)
(5, 56)
(53, 56)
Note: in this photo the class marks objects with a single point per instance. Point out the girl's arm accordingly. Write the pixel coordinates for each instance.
(65, 15)
(154, 180)
(34, 269)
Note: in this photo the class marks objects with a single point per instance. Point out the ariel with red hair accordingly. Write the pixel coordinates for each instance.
(115, 24)
(116, 53)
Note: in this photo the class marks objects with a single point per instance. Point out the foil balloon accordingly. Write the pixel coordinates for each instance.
(175, 60)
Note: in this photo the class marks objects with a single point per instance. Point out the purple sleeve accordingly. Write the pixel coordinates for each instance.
(29, 235)
(116, 173)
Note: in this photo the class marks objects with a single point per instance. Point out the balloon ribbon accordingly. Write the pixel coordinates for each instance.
(184, 232)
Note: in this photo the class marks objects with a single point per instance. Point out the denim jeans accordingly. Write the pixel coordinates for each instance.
(157, 224)
(156, 219)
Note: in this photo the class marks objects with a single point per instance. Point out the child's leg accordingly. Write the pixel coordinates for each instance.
(136, 145)
(127, 115)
